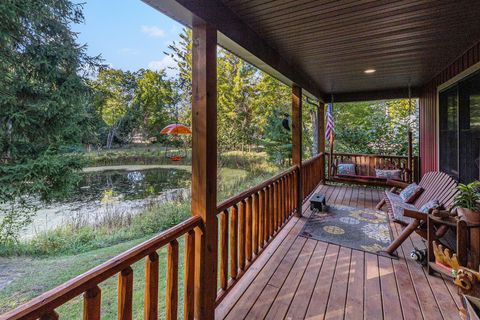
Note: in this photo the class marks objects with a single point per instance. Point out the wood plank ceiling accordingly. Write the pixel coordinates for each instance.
(333, 42)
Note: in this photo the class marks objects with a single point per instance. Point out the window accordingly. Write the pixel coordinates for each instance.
(459, 116)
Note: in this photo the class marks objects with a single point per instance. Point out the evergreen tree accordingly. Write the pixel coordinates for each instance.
(43, 104)
(277, 141)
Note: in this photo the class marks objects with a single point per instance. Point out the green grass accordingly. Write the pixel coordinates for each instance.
(40, 275)
(70, 239)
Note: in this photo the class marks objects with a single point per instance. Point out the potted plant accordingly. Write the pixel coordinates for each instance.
(467, 201)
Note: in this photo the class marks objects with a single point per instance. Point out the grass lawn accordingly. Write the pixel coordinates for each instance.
(37, 275)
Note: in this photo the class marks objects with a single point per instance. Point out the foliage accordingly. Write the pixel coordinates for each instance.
(309, 127)
(157, 99)
(114, 95)
(277, 141)
(43, 103)
(74, 239)
(129, 103)
(468, 196)
(379, 127)
(181, 53)
(246, 96)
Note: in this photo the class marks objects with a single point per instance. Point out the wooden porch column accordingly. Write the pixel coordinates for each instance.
(321, 137)
(204, 165)
(297, 141)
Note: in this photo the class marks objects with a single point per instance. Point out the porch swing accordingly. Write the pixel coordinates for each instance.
(371, 170)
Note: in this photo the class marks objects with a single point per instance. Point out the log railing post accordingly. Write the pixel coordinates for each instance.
(125, 294)
(297, 141)
(248, 229)
(188, 278)
(256, 220)
(151, 287)
(171, 297)
(224, 249)
(241, 235)
(261, 219)
(92, 299)
(233, 242)
(204, 164)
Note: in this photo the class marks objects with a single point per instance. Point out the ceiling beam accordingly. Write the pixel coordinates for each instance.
(397, 93)
(237, 37)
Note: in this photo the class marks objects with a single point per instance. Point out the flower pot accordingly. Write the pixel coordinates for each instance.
(470, 215)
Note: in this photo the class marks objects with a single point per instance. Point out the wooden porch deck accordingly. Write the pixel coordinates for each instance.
(299, 278)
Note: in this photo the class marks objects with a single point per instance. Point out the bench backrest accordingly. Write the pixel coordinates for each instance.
(437, 186)
(365, 164)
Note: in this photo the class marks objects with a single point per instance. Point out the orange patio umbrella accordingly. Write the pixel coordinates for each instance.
(175, 129)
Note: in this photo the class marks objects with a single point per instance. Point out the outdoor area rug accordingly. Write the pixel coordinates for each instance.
(361, 229)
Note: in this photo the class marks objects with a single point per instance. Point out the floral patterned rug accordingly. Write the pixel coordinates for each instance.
(361, 229)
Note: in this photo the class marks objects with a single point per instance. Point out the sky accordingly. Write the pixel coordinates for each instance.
(128, 34)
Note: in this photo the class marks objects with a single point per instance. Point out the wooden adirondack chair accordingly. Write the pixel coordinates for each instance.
(436, 186)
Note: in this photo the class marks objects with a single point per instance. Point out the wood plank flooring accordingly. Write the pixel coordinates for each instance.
(299, 278)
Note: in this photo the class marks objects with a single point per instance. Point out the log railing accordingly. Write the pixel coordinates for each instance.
(249, 221)
(367, 163)
(89, 283)
(313, 171)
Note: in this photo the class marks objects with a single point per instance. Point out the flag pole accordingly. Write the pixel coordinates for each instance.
(331, 139)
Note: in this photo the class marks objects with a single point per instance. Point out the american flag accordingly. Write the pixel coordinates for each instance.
(330, 128)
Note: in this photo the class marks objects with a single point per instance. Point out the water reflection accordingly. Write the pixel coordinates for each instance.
(113, 192)
(131, 185)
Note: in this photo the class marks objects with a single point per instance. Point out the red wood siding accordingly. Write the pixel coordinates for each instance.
(428, 107)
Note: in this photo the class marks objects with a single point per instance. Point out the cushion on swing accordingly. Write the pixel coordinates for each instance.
(346, 169)
(389, 174)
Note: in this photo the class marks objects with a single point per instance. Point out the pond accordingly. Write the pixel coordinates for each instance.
(114, 190)
(130, 184)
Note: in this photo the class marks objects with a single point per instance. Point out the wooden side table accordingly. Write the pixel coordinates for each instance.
(464, 241)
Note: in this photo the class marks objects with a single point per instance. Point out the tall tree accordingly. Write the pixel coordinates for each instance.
(181, 53)
(43, 107)
(114, 100)
(237, 85)
(158, 99)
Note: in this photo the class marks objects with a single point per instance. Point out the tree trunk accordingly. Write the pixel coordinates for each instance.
(111, 136)
(8, 149)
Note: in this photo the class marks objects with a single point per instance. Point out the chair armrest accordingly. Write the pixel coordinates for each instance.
(396, 183)
(415, 214)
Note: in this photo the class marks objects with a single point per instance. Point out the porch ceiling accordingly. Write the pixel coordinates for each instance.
(331, 43)
(335, 41)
